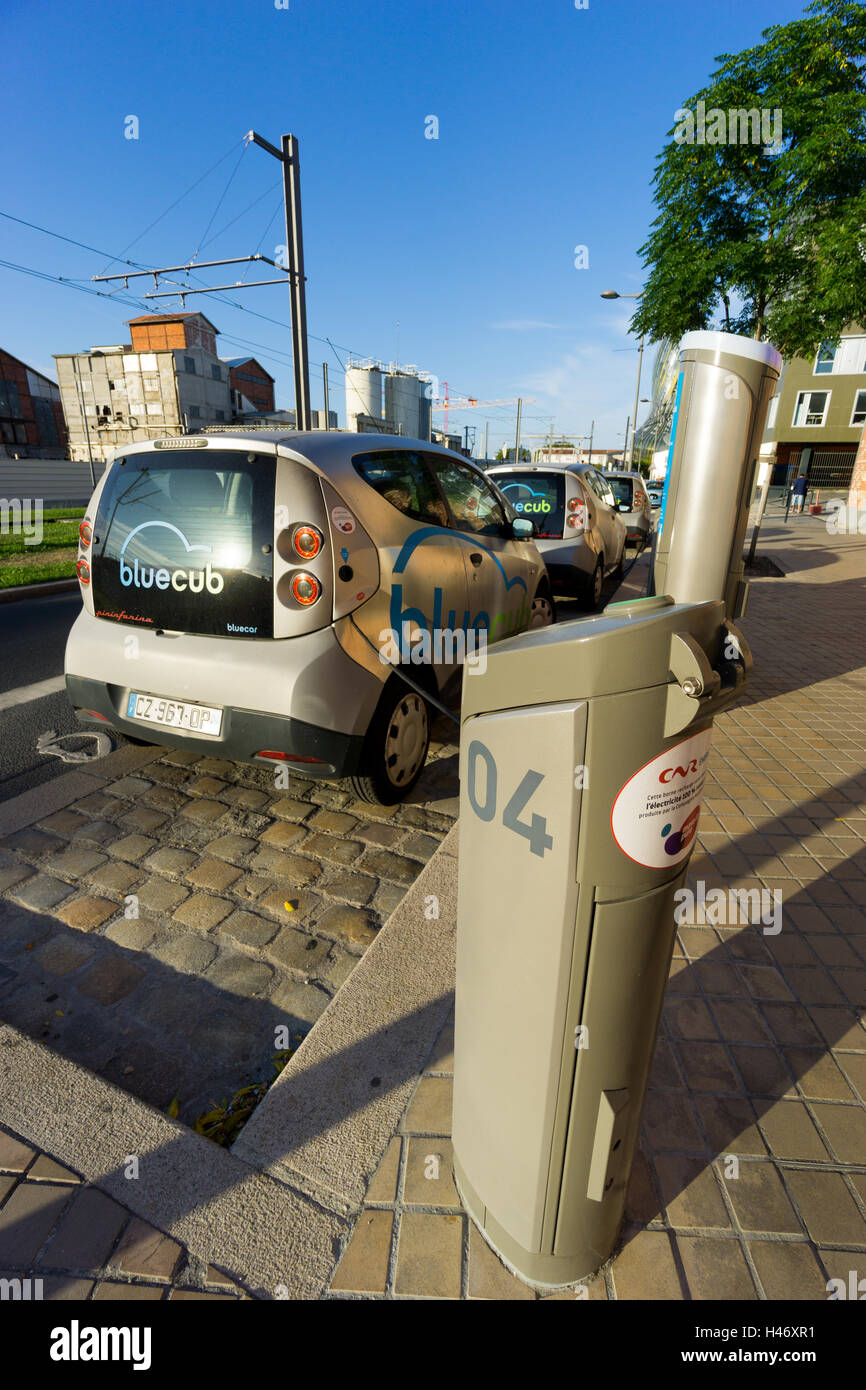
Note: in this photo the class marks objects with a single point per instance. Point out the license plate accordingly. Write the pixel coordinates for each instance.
(174, 714)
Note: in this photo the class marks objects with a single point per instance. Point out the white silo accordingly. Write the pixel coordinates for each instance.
(425, 407)
(363, 391)
(403, 393)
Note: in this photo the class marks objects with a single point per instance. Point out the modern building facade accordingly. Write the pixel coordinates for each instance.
(168, 380)
(816, 417)
(31, 413)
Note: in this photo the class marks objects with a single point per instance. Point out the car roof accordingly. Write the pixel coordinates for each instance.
(624, 473)
(331, 451)
(536, 467)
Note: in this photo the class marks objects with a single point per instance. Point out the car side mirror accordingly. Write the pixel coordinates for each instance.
(522, 528)
(624, 507)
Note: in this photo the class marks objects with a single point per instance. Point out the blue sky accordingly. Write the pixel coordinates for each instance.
(550, 122)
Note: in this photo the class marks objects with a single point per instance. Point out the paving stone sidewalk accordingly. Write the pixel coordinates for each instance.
(63, 1239)
(750, 1182)
(173, 927)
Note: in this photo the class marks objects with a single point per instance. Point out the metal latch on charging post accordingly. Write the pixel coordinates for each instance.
(698, 688)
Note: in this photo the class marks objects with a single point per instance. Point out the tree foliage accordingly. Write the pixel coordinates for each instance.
(767, 240)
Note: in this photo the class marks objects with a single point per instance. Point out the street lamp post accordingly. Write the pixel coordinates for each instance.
(615, 294)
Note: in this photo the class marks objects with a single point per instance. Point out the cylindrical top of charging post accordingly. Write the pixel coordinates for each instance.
(724, 390)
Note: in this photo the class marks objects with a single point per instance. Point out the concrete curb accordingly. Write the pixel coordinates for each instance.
(327, 1120)
(258, 1231)
(51, 586)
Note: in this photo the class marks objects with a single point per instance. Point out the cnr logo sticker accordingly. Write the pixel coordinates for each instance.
(655, 815)
(671, 772)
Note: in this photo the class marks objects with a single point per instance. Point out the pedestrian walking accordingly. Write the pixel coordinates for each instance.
(798, 492)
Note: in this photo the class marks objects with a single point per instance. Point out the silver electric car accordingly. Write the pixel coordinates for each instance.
(257, 596)
(578, 529)
(633, 504)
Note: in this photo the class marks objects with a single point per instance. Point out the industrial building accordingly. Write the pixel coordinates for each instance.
(392, 400)
(450, 441)
(168, 380)
(31, 414)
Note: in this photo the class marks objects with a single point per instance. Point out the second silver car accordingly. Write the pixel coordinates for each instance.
(577, 525)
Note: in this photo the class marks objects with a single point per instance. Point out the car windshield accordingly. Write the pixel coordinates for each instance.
(540, 497)
(623, 490)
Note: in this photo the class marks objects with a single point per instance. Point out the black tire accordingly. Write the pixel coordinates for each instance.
(590, 596)
(543, 597)
(387, 777)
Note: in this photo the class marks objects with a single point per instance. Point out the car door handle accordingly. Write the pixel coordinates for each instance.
(476, 557)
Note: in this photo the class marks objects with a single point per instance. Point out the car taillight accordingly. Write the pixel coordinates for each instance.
(307, 541)
(305, 588)
(575, 521)
(85, 533)
(82, 569)
(573, 504)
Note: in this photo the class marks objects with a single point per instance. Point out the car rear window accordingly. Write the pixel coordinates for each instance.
(623, 490)
(540, 497)
(186, 543)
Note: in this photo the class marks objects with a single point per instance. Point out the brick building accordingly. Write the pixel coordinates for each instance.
(31, 414)
(248, 378)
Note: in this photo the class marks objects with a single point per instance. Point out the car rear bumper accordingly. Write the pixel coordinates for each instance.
(311, 751)
(302, 696)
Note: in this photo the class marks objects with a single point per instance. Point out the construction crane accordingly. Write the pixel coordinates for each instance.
(469, 403)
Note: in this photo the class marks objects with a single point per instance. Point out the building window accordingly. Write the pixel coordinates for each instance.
(772, 413)
(9, 402)
(825, 359)
(194, 412)
(189, 365)
(220, 414)
(811, 408)
(215, 372)
(858, 415)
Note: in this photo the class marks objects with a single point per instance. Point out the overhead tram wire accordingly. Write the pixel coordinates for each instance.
(273, 354)
(171, 207)
(220, 200)
(249, 207)
(137, 303)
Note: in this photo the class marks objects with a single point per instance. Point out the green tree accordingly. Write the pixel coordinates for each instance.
(762, 192)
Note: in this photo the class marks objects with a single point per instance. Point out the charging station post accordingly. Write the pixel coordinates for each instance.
(584, 750)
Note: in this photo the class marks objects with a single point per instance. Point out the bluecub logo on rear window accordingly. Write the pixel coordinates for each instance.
(148, 576)
(184, 543)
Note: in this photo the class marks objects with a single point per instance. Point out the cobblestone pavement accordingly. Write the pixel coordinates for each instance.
(162, 928)
(750, 1182)
(61, 1238)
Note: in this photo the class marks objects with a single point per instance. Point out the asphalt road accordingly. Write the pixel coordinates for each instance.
(32, 639)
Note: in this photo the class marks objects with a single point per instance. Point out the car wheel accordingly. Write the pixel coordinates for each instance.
(396, 746)
(543, 611)
(591, 596)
